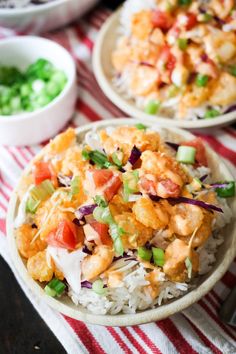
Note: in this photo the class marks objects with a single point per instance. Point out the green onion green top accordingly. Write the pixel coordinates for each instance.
(201, 80)
(186, 154)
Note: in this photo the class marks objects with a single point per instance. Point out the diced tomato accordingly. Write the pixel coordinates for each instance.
(166, 188)
(102, 230)
(191, 21)
(148, 185)
(112, 188)
(162, 19)
(41, 172)
(101, 177)
(200, 153)
(168, 58)
(64, 236)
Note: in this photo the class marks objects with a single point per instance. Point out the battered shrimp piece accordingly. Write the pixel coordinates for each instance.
(224, 91)
(61, 142)
(97, 263)
(194, 96)
(185, 219)
(125, 137)
(118, 205)
(48, 225)
(141, 24)
(221, 8)
(38, 268)
(24, 235)
(143, 79)
(121, 56)
(220, 46)
(73, 163)
(175, 256)
(204, 231)
(150, 214)
(135, 233)
(163, 166)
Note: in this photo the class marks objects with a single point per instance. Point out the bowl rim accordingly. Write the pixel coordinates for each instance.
(70, 80)
(124, 104)
(142, 317)
(35, 9)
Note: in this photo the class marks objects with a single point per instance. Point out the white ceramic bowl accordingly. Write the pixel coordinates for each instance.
(34, 127)
(103, 70)
(224, 257)
(44, 17)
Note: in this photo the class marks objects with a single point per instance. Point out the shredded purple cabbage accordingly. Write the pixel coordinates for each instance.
(203, 178)
(178, 200)
(86, 250)
(135, 155)
(86, 284)
(219, 185)
(78, 222)
(85, 210)
(172, 145)
(230, 109)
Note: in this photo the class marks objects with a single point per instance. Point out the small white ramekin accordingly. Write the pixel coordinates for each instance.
(34, 127)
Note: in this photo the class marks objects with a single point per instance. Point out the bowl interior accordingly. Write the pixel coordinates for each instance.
(224, 257)
(104, 72)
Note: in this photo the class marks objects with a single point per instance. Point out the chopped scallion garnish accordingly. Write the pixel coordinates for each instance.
(75, 188)
(32, 205)
(144, 253)
(189, 267)
(158, 256)
(152, 107)
(117, 158)
(98, 287)
(100, 201)
(186, 154)
(55, 287)
(201, 80)
(141, 126)
(130, 182)
(42, 191)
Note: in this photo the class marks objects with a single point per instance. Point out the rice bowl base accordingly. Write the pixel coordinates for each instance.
(64, 305)
(104, 73)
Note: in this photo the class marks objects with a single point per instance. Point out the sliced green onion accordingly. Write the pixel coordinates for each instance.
(75, 188)
(152, 107)
(117, 159)
(55, 287)
(173, 91)
(100, 201)
(189, 267)
(182, 43)
(102, 215)
(158, 256)
(207, 17)
(141, 126)
(130, 182)
(185, 2)
(201, 80)
(186, 154)
(116, 232)
(228, 191)
(232, 70)
(85, 155)
(144, 253)
(32, 205)
(211, 113)
(99, 159)
(98, 287)
(42, 191)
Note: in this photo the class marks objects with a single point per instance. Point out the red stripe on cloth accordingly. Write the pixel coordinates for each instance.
(230, 131)
(229, 279)
(30, 151)
(219, 148)
(84, 39)
(119, 340)
(216, 296)
(204, 339)
(212, 301)
(15, 158)
(132, 339)
(146, 339)
(3, 226)
(5, 196)
(6, 184)
(85, 336)
(86, 110)
(21, 152)
(176, 338)
(216, 319)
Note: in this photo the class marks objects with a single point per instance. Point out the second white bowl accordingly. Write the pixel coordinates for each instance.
(34, 127)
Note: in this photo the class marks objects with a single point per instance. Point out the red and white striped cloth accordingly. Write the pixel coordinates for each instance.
(195, 330)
